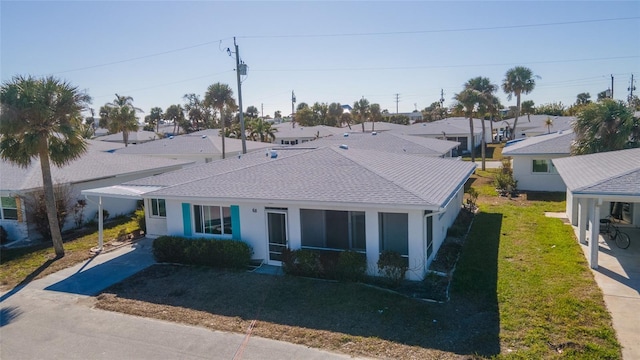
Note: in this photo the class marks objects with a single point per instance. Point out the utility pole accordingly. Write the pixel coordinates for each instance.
(293, 102)
(397, 101)
(612, 86)
(238, 71)
(262, 110)
(630, 89)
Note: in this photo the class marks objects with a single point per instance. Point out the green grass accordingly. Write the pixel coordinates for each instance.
(492, 153)
(21, 265)
(532, 271)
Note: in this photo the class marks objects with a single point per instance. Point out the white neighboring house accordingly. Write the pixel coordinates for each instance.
(531, 160)
(390, 142)
(452, 129)
(286, 134)
(378, 126)
(135, 137)
(200, 147)
(534, 125)
(328, 198)
(596, 181)
(97, 167)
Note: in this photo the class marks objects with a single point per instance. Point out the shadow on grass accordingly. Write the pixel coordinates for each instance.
(475, 284)
(28, 279)
(546, 196)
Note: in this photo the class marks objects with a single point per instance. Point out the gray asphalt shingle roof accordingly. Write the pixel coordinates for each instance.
(389, 142)
(134, 136)
(332, 174)
(199, 142)
(548, 144)
(449, 126)
(94, 164)
(607, 173)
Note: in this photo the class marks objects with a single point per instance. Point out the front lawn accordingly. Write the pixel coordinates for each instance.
(522, 289)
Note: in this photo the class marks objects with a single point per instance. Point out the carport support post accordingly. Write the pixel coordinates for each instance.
(582, 220)
(595, 234)
(100, 223)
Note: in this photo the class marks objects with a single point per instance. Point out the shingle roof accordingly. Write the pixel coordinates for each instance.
(389, 142)
(335, 175)
(548, 144)
(94, 164)
(449, 126)
(285, 130)
(378, 126)
(608, 173)
(537, 122)
(199, 142)
(134, 136)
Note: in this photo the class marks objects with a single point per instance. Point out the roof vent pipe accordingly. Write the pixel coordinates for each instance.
(344, 146)
(345, 134)
(374, 133)
(274, 154)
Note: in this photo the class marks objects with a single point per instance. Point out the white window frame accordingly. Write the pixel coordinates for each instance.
(157, 208)
(222, 225)
(3, 207)
(550, 168)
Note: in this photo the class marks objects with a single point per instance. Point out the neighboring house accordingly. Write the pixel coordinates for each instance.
(286, 134)
(200, 147)
(390, 142)
(452, 129)
(96, 168)
(318, 198)
(596, 181)
(531, 160)
(135, 137)
(536, 126)
(377, 126)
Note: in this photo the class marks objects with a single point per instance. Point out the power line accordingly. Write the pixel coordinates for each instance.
(438, 30)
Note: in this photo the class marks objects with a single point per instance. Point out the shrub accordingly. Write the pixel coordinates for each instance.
(140, 218)
(392, 266)
(205, 252)
(351, 266)
(37, 209)
(504, 181)
(4, 237)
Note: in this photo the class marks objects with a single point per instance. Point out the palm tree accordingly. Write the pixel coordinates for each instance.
(218, 97)
(528, 107)
(155, 115)
(41, 118)
(361, 109)
(175, 113)
(261, 131)
(548, 123)
(518, 80)
(467, 101)
(335, 114)
(121, 116)
(486, 100)
(606, 125)
(376, 114)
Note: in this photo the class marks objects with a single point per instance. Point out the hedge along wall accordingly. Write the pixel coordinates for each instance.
(206, 252)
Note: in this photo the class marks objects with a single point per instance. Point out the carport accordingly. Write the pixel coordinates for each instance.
(596, 181)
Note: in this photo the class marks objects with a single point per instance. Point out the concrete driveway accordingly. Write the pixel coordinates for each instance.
(618, 275)
(53, 318)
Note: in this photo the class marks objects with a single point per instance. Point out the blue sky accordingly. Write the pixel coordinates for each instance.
(157, 51)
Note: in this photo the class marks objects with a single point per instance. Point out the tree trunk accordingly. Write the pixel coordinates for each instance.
(483, 144)
(223, 132)
(125, 137)
(50, 199)
(373, 125)
(473, 140)
(491, 125)
(515, 122)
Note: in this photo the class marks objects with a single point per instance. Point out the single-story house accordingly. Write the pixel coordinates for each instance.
(286, 134)
(135, 137)
(96, 168)
(378, 126)
(199, 147)
(533, 125)
(330, 197)
(452, 129)
(594, 183)
(531, 160)
(391, 142)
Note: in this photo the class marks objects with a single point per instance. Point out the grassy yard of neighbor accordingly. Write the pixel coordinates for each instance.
(21, 265)
(522, 289)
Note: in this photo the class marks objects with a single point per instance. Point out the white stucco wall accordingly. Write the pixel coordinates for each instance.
(535, 181)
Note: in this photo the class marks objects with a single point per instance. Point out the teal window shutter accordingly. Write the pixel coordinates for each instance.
(235, 222)
(186, 219)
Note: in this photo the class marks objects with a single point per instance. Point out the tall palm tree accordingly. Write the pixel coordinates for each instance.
(485, 90)
(121, 116)
(219, 96)
(517, 81)
(528, 107)
(41, 118)
(335, 114)
(361, 109)
(607, 125)
(155, 115)
(467, 100)
(175, 113)
(261, 130)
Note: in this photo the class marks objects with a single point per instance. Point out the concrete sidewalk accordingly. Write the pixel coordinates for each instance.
(52, 318)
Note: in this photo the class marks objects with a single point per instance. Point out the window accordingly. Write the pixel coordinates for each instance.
(543, 166)
(212, 220)
(158, 208)
(330, 229)
(429, 233)
(9, 208)
(394, 232)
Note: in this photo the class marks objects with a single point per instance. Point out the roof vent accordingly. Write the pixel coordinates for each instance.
(344, 146)
(171, 137)
(204, 136)
(345, 134)
(239, 155)
(274, 154)
(374, 133)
